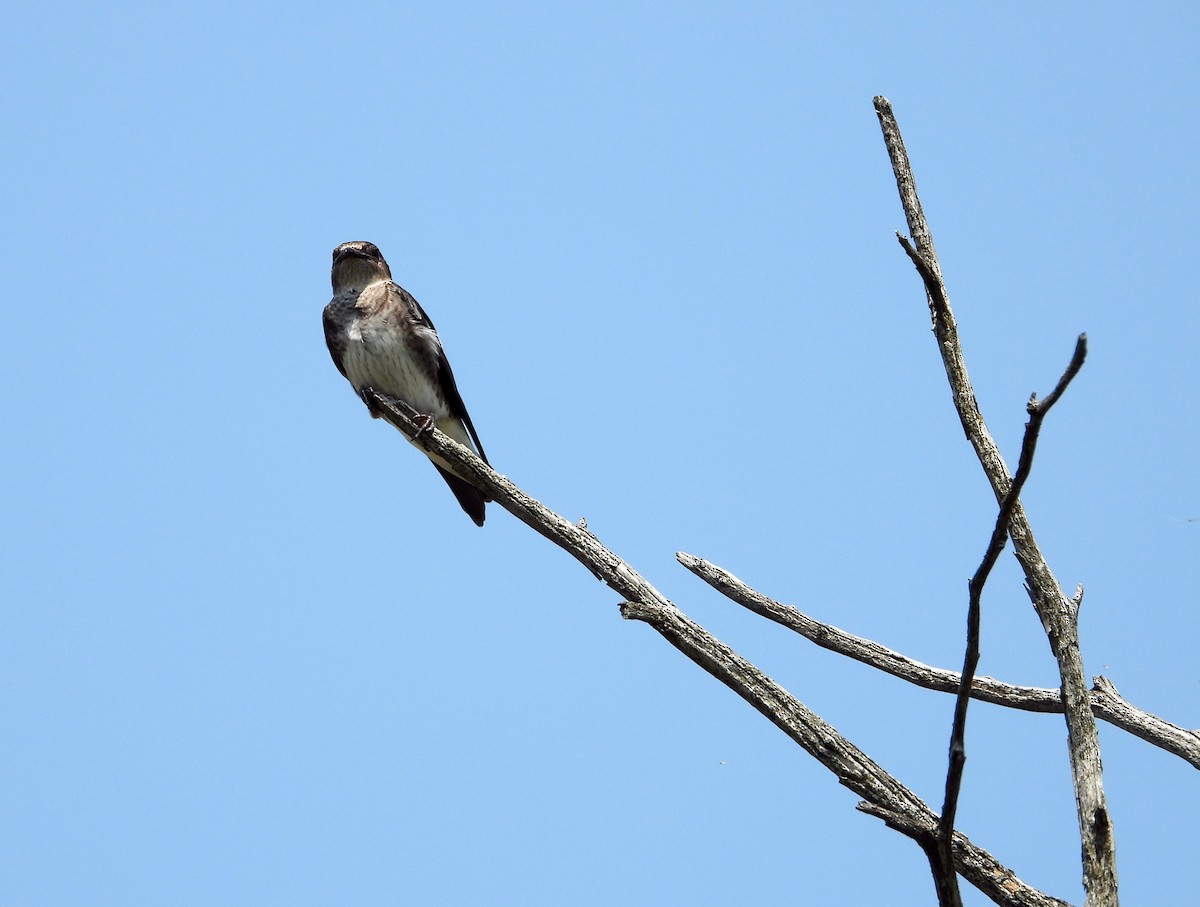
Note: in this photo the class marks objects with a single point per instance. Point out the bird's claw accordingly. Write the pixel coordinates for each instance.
(424, 423)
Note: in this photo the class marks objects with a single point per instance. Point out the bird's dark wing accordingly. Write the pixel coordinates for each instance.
(438, 366)
(335, 339)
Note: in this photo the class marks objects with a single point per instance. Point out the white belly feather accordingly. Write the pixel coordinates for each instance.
(378, 355)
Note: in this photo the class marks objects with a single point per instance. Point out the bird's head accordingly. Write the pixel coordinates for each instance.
(358, 264)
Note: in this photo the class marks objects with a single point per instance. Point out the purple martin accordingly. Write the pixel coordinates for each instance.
(380, 337)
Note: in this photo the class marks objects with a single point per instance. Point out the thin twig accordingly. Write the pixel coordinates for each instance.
(958, 748)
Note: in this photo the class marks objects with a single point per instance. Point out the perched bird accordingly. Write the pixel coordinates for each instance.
(380, 337)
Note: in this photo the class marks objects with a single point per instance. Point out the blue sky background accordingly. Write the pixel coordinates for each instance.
(253, 652)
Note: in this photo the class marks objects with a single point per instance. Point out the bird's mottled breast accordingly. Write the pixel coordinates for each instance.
(383, 348)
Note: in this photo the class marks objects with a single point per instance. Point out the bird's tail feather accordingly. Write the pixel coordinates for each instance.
(470, 498)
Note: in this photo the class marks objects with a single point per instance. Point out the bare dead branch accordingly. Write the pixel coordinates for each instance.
(885, 796)
(907, 186)
(1054, 609)
(1107, 703)
(958, 744)
(940, 854)
(1038, 408)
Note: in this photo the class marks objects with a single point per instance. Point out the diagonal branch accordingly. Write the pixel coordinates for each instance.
(1059, 614)
(885, 796)
(1107, 703)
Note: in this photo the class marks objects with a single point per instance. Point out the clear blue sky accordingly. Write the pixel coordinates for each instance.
(253, 653)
